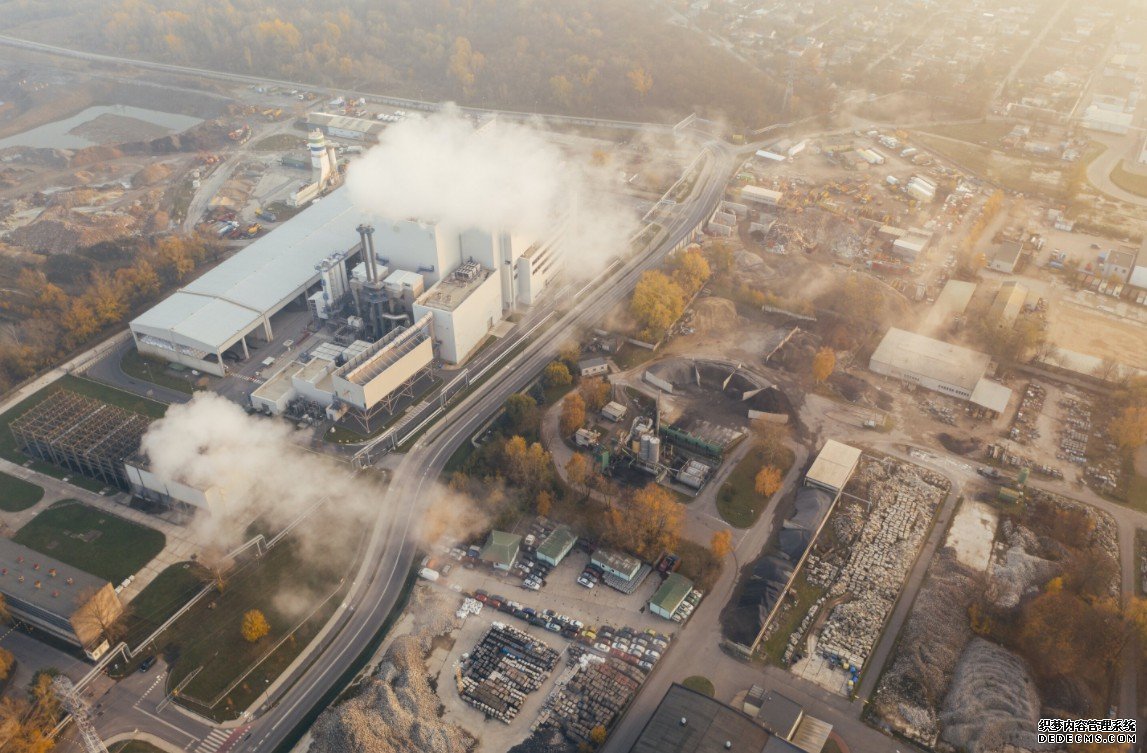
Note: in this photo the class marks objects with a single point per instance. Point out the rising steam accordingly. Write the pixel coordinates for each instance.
(502, 177)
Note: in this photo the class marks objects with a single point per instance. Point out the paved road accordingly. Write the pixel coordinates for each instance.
(1099, 171)
(108, 370)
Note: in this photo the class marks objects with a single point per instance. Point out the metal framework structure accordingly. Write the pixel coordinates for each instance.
(72, 702)
(82, 434)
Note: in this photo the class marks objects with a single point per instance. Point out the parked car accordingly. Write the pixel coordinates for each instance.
(147, 664)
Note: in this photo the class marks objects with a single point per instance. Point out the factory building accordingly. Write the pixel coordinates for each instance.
(60, 600)
(939, 366)
(690, 722)
(394, 275)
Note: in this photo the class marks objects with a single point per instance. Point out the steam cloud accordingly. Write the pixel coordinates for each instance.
(503, 177)
(260, 473)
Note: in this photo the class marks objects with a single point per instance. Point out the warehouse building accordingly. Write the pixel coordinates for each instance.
(556, 546)
(345, 127)
(951, 303)
(1117, 264)
(761, 196)
(939, 366)
(1005, 257)
(690, 722)
(833, 466)
(670, 596)
(501, 550)
(64, 602)
(84, 435)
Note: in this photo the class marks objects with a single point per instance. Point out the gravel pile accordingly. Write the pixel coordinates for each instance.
(396, 710)
(911, 691)
(993, 702)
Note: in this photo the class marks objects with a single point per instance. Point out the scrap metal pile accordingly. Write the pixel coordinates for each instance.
(505, 666)
(903, 499)
(590, 694)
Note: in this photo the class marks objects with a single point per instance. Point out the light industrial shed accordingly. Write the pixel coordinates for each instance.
(833, 465)
(220, 309)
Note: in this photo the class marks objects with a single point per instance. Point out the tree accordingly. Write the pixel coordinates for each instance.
(526, 465)
(573, 414)
(465, 63)
(642, 81)
(823, 363)
(721, 545)
(692, 270)
(544, 502)
(1129, 429)
(556, 374)
(7, 661)
(597, 735)
(648, 523)
(772, 441)
(577, 470)
(768, 481)
(657, 302)
(596, 393)
(521, 414)
(721, 254)
(255, 626)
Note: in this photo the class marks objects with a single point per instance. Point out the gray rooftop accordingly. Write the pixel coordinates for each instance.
(944, 362)
(23, 569)
(709, 724)
(779, 713)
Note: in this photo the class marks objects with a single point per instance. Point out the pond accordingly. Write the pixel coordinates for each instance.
(107, 124)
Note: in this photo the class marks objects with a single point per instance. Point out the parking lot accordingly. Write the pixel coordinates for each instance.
(626, 617)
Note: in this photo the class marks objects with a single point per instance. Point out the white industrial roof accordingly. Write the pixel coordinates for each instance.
(231, 299)
(991, 395)
(944, 362)
(401, 277)
(1138, 277)
(833, 465)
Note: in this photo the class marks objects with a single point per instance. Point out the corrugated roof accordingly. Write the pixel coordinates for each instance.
(671, 593)
(991, 395)
(501, 548)
(231, 299)
(558, 543)
(709, 724)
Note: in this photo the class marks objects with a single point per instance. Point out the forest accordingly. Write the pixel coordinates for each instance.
(604, 58)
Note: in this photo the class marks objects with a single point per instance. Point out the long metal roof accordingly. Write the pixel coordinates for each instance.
(231, 299)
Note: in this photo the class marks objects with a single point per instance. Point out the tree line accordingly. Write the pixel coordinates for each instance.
(589, 57)
(49, 314)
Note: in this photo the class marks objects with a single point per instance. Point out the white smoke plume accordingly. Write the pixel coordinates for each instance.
(256, 472)
(502, 177)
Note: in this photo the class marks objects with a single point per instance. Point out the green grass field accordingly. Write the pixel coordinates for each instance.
(162, 598)
(806, 593)
(92, 540)
(737, 501)
(293, 594)
(17, 494)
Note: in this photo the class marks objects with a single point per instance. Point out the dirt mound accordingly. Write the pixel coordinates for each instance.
(397, 710)
(965, 446)
(715, 315)
(150, 175)
(60, 231)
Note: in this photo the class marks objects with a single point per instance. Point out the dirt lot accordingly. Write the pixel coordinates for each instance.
(1098, 334)
(117, 129)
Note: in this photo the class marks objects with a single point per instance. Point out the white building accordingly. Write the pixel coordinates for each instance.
(938, 366)
(464, 306)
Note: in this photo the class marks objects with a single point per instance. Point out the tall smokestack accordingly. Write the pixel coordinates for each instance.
(365, 252)
(373, 257)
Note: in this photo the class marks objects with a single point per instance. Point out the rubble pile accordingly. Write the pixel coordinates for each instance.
(1019, 570)
(396, 710)
(59, 231)
(714, 315)
(1024, 428)
(505, 666)
(992, 703)
(910, 693)
(903, 500)
(590, 694)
